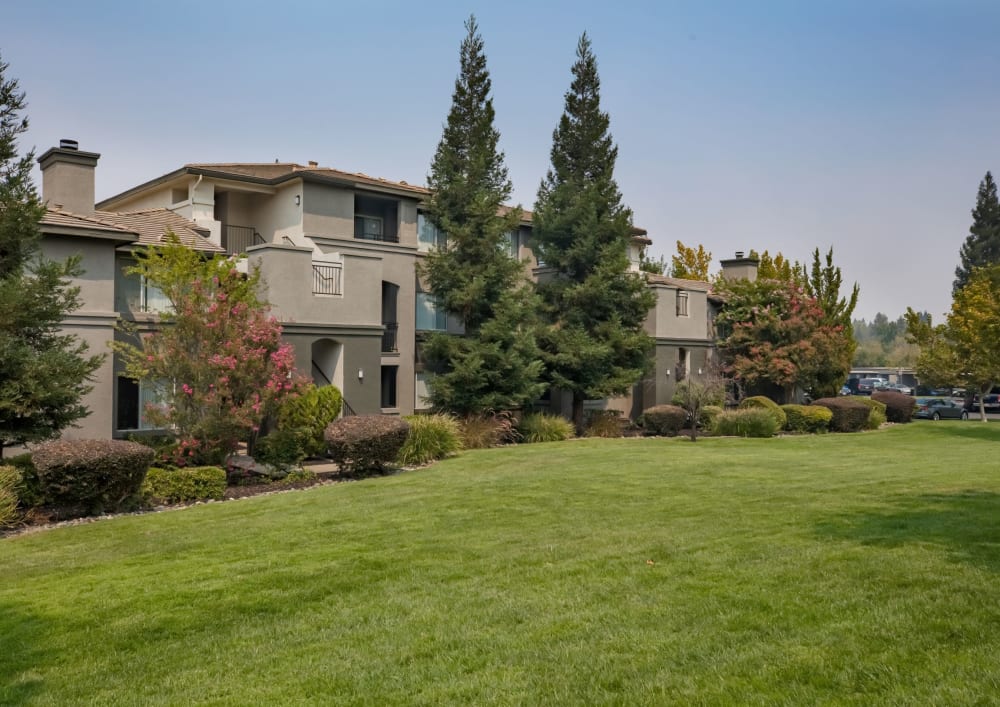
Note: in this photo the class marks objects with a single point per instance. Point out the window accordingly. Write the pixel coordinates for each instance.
(430, 317)
(428, 235)
(368, 228)
(683, 362)
(133, 399)
(682, 303)
(389, 386)
(134, 294)
(510, 243)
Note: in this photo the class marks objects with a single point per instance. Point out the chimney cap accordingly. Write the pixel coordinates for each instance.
(739, 254)
(68, 144)
(313, 164)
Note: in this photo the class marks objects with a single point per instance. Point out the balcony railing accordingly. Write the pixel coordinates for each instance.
(328, 279)
(237, 239)
(384, 237)
(389, 337)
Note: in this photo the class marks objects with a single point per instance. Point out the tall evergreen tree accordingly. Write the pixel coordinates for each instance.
(474, 278)
(982, 245)
(823, 284)
(595, 309)
(43, 372)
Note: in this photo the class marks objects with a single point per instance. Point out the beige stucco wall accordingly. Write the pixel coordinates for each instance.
(327, 211)
(666, 323)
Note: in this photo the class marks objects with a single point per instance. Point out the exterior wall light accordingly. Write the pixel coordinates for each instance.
(298, 199)
(361, 374)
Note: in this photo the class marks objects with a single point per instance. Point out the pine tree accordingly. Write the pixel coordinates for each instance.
(982, 245)
(474, 278)
(823, 284)
(43, 373)
(594, 343)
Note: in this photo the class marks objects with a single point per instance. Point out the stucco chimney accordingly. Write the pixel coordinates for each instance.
(68, 177)
(740, 267)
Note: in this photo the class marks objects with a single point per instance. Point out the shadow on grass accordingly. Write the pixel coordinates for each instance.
(965, 523)
(22, 651)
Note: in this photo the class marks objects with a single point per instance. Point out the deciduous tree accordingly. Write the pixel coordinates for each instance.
(44, 372)
(594, 308)
(690, 263)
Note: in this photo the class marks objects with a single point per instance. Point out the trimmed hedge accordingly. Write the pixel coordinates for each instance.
(849, 415)
(746, 422)
(308, 415)
(876, 411)
(101, 475)
(807, 418)
(431, 437)
(666, 420)
(898, 407)
(365, 442)
(196, 483)
(544, 427)
(765, 403)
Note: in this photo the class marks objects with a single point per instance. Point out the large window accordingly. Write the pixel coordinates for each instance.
(510, 243)
(428, 235)
(134, 398)
(134, 294)
(430, 317)
(368, 228)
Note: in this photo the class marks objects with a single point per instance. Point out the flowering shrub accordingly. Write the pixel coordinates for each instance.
(98, 475)
(220, 367)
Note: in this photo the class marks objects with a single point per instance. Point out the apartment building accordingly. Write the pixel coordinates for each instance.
(338, 252)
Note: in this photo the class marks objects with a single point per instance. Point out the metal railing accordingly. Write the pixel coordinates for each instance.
(328, 279)
(345, 408)
(389, 337)
(238, 238)
(384, 237)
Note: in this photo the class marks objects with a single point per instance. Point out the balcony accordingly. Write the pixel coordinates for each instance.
(236, 239)
(389, 337)
(328, 279)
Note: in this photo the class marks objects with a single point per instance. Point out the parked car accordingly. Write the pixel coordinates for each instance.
(867, 386)
(899, 388)
(940, 409)
(991, 401)
(844, 390)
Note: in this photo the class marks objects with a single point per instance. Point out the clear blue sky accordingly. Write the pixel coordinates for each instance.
(865, 125)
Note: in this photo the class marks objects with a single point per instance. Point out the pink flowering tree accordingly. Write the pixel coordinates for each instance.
(216, 360)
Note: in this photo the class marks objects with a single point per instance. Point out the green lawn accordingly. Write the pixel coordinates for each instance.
(840, 569)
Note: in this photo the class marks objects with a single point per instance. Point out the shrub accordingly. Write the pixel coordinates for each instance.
(545, 427)
(284, 447)
(807, 418)
(100, 475)
(196, 483)
(312, 412)
(876, 412)
(29, 490)
(431, 437)
(746, 422)
(365, 442)
(663, 419)
(849, 415)
(604, 423)
(765, 403)
(707, 415)
(898, 407)
(489, 430)
(10, 480)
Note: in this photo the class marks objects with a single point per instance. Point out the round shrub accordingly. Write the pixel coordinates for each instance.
(813, 419)
(195, 483)
(543, 427)
(849, 415)
(309, 414)
(876, 412)
(101, 475)
(746, 422)
(431, 437)
(666, 420)
(707, 415)
(285, 447)
(765, 403)
(10, 480)
(365, 442)
(898, 407)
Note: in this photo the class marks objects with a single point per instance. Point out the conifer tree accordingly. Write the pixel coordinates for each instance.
(982, 245)
(473, 277)
(594, 343)
(44, 373)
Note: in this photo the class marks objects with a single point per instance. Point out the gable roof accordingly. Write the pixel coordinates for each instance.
(59, 221)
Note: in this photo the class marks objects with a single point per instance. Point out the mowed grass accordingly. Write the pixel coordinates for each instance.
(841, 569)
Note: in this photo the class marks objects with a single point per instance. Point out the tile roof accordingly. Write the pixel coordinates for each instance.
(679, 282)
(278, 170)
(57, 216)
(153, 224)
